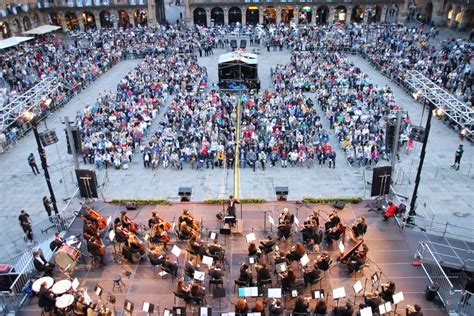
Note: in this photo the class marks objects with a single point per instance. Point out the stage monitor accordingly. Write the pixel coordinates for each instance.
(381, 179)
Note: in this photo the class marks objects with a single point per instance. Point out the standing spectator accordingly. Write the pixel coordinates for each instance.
(25, 224)
(47, 207)
(32, 163)
(457, 157)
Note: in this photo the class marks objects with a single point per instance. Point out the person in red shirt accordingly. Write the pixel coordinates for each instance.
(390, 211)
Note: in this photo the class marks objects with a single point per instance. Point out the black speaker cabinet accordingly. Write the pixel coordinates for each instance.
(87, 181)
(185, 193)
(381, 180)
(243, 44)
(281, 193)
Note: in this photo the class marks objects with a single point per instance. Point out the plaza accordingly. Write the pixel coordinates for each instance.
(444, 199)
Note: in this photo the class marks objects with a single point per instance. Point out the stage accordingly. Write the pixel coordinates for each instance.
(390, 252)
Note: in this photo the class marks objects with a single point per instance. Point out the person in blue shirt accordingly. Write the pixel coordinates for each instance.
(457, 157)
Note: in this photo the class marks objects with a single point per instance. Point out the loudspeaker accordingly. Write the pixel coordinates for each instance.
(131, 206)
(339, 205)
(390, 135)
(185, 193)
(76, 137)
(281, 193)
(381, 179)
(233, 44)
(243, 44)
(87, 181)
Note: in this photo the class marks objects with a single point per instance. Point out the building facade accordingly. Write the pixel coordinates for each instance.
(213, 12)
(23, 15)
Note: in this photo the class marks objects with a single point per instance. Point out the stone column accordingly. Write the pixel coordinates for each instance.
(97, 19)
(313, 14)
(80, 19)
(453, 23)
(187, 14)
(464, 19)
(383, 16)
(278, 14)
(260, 15)
(348, 14)
(226, 16)
(244, 16)
(208, 17)
(331, 14)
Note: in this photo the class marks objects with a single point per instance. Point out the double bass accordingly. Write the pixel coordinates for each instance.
(99, 219)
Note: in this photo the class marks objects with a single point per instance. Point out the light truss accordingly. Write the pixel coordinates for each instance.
(458, 112)
(29, 100)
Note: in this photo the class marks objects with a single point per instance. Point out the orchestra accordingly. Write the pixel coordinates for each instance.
(280, 264)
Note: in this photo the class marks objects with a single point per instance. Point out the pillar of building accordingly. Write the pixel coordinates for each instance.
(244, 15)
(97, 19)
(278, 14)
(187, 14)
(208, 17)
(464, 19)
(453, 23)
(437, 17)
(313, 14)
(260, 15)
(383, 16)
(331, 14)
(226, 16)
(151, 13)
(348, 14)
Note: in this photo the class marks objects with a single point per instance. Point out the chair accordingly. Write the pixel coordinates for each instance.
(240, 284)
(265, 283)
(168, 271)
(215, 282)
(117, 282)
(182, 296)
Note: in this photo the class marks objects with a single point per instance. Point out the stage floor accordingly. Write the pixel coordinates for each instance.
(389, 253)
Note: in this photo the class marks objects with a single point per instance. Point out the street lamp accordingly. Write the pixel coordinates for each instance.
(31, 117)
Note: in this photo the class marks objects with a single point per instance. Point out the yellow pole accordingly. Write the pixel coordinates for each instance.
(237, 154)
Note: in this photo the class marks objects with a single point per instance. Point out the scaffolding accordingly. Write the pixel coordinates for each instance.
(27, 101)
(446, 104)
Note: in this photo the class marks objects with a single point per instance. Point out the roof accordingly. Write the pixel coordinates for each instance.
(13, 41)
(43, 29)
(244, 57)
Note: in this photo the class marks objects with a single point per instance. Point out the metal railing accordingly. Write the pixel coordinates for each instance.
(453, 299)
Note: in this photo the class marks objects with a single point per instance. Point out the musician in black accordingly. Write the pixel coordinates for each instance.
(170, 266)
(267, 245)
(214, 249)
(231, 205)
(285, 220)
(41, 264)
(263, 273)
(323, 261)
(373, 301)
(359, 227)
(45, 299)
(216, 272)
(345, 310)
(245, 275)
(311, 275)
(388, 290)
(57, 242)
(334, 233)
(333, 220)
(357, 259)
(154, 219)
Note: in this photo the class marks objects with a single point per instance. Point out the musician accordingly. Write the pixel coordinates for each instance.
(321, 307)
(216, 272)
(80, 306)
(301, 305)
(41, 264)
(241, 307)
(155, 256)
(346, 310)
(276, 308)
(90, 230)
(214, 249)
(266, 245)
(284, 231)
(334, 233)
(373, 301)
(121, 234)
(288, 281)
(285, 217)
(125, 220)
(310, 276)
(153, 220)
(46, 300)
(359, 227)
(313, 218)
(390, 211)
(323, 261)
(57, 242)
(190, 266)
(182, 287)
(136, 246)
(308, 232)
(357, 259)
(97, 249)
(231, 205)
(252, 250)
(170, 266)
(388, 289)
(414, 310)
(186, 217)
(281, 258)
(263, 273)
(184, 231)
(245, 275)
(296, 253)
(333, 220)
(258, 307)
(197, 290)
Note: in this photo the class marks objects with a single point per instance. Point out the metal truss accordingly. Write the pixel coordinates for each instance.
(458, 112)
(27, 101)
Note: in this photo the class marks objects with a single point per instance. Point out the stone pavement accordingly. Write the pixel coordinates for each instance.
(447, 192)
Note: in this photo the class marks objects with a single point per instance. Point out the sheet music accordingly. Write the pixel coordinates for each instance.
(341, 247)
(199, 275)
(304, 260)
(388, 307)
(176, 251)
(297, 221)
(318, 294)
(109, 220)
(382, 309)
(75, 284)
(397, 297)
(366, 311)
(207, 260)
(112, 235)
(146, 306)
(87, 298)
(274, 292)
(166, 312)
(251, 237)
(213, 235)
(270, 219)
(339, 293)
(203, 311)
(357, 287)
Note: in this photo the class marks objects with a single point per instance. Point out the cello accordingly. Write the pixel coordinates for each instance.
(99, 219)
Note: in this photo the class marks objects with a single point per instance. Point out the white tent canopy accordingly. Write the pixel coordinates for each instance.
(13, 41)
(244, 57)
(43, 29)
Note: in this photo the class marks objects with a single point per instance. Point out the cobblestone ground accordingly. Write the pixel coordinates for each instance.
(447, 193)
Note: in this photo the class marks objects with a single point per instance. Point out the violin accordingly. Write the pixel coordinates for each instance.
(100, 220)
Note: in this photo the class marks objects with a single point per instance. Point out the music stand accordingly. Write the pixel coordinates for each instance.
(128, 306)
(366, 311)
(176, 251)
(98, 290)
(205, 311)
(357, 287)
(397, 298)
(385, 308)
(274, 292)
(179, 310)
(148, 308)
(338, 293)
(213, 235)
(112, 300)
(318, 294)
(226, 232)
(375, 280)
